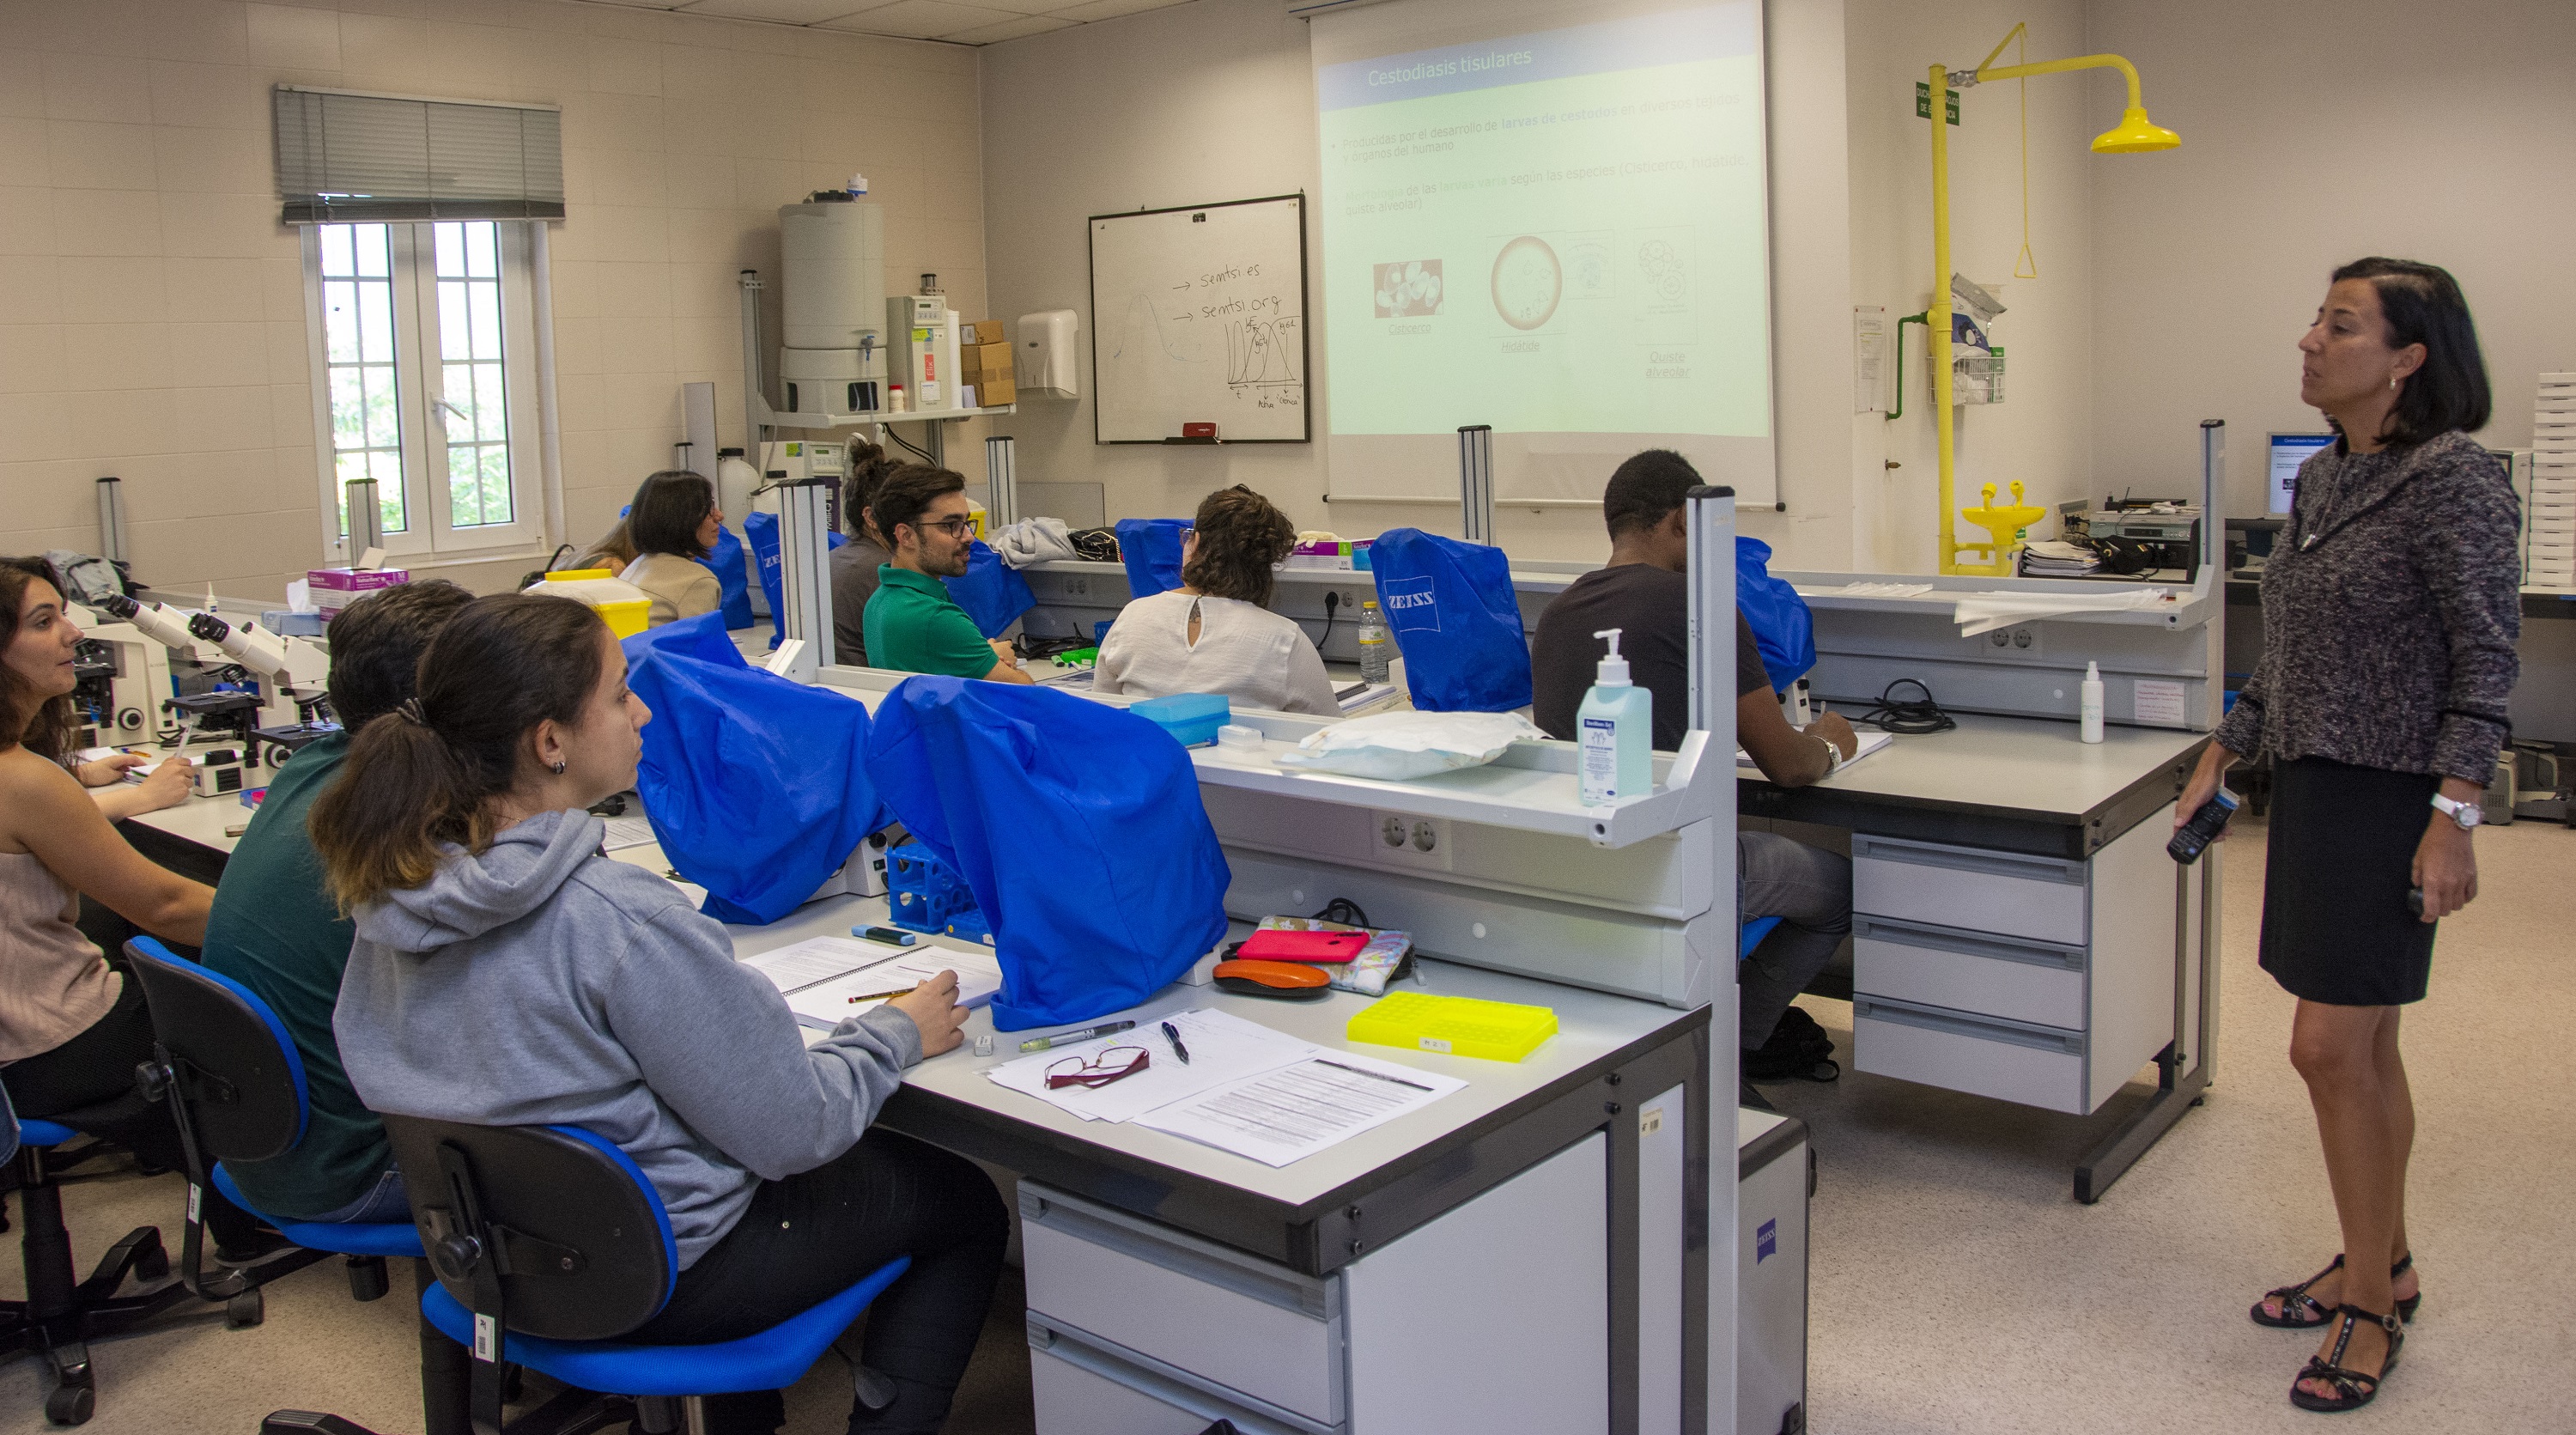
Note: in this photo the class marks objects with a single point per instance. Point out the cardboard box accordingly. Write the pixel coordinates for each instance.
(336, 588)
(987, 331)
(992, 393)
(975, 359)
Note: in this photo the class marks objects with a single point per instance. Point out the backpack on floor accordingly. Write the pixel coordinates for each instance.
(1798, 1048)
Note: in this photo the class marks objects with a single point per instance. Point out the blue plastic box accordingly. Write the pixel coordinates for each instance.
(1192, 718)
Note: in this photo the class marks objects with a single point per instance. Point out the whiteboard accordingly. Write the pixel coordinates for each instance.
(1198, 315)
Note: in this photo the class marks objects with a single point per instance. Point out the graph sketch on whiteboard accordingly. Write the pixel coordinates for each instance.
(1262, 353)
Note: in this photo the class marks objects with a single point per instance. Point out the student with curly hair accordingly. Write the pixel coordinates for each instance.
(1215, 633)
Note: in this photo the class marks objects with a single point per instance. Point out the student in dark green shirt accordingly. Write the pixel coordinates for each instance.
(274, 928)
(912, 624)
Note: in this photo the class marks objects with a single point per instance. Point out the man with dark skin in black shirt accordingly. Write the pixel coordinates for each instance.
(1643, 591)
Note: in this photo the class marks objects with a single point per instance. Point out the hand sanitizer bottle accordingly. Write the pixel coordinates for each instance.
(1616, 730)
(2088, 705)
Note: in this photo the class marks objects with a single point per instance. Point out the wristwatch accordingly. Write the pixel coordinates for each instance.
(1833, 755)
(2466, 814)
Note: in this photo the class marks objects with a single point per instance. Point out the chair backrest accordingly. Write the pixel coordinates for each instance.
(1453, 613)
(552, 1228)
(236, 1068)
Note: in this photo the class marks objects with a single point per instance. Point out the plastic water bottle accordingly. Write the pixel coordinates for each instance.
(1376, 651)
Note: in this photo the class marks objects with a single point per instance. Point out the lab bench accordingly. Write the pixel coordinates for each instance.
(2018, 930)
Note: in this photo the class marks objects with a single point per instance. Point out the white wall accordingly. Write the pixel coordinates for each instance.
(2368, 127)
(151, 311)
(1215, 100)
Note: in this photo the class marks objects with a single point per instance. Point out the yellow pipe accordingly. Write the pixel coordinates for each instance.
(1937, 329)
(2055, 67)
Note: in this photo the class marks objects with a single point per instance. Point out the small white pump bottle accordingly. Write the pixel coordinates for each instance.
(2088, 704)
(1615, 728)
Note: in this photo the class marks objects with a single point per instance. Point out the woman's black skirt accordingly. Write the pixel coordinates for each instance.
(2341, 857)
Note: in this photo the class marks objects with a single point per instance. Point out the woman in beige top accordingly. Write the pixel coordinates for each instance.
(674, 524)
(71, 1028)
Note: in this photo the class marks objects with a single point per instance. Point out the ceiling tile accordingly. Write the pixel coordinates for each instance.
(922, 19)
(1011, 30)
(792, 12)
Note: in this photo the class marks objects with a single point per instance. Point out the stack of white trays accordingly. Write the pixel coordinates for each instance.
(2549, 523)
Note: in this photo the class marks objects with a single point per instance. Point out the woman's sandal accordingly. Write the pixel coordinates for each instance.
(2352, 1388)
(2312, 1312)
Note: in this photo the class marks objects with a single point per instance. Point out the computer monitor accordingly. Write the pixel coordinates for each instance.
(2289, 450)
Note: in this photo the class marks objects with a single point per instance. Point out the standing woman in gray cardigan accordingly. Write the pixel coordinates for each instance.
(2390, 609)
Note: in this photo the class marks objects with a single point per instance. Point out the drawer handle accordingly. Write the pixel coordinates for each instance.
(1997, 864)
(2059, 958)
(2069, 1043)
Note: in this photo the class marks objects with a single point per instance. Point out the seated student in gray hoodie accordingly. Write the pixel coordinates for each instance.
(506, 972)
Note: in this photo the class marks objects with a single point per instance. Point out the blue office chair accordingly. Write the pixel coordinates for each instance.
(236, 1088)
(62, 1315)
(1754, 932)
(549, 1243)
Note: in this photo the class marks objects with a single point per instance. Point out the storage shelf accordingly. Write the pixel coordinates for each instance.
(879, 416)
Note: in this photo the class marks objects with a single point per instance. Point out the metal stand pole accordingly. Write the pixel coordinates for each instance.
(366, 525)
(1712, 611)
(805, 582)
(1476, 482)
(111, 519)
(753, 405)
(1002, 479)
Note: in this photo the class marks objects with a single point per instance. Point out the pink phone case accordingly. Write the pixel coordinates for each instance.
(1278, 946)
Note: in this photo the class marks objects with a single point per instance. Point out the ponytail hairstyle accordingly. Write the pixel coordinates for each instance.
(420, 778)
(868, 466)
(1241, 536)
(29, 719)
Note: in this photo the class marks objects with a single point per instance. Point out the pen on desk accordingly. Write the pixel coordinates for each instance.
(1042, 1043)
(1172, 1034)
(1363, 1071)
(895, 936)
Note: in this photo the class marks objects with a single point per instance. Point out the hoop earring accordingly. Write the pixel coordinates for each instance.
(558, 769)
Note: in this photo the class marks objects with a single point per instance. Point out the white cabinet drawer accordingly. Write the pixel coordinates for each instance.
(1082, 1389)
(1223, 1316)
(1966, 971)
(1985, 1056)
(1972, 889)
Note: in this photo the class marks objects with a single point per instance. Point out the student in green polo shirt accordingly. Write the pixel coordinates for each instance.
(912, 624)
(274, 928)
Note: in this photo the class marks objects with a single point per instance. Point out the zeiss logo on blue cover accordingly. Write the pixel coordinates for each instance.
(1409, 606)
(1766, 1241)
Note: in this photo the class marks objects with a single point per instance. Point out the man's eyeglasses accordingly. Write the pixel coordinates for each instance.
(1098, 1070)
(956, 527)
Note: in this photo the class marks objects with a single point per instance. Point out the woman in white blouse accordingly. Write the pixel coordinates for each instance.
(1215, 633)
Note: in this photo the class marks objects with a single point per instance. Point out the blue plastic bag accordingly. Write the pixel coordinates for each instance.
(761, 530)
(757, 787)
(1077, 824)
(733, 575)
(1151, 549)
(992, 592)
(1783, 629)
(1452, 611)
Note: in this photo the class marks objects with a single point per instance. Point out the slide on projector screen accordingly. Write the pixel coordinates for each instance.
(1548, 218)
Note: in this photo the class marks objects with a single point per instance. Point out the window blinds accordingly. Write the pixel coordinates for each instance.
(344, 157)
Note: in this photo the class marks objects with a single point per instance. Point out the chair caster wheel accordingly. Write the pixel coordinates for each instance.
(367, 1279)
(152, 1263)
(71, 1404)
(245, 1310)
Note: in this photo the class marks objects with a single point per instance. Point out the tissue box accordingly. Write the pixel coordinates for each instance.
(337, 588)
(1191, 718)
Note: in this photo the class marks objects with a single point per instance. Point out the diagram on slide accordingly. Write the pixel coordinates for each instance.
(1409, 290)
(1527, 282)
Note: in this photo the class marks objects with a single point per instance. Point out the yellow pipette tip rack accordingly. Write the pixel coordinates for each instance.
(1454, 1026)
